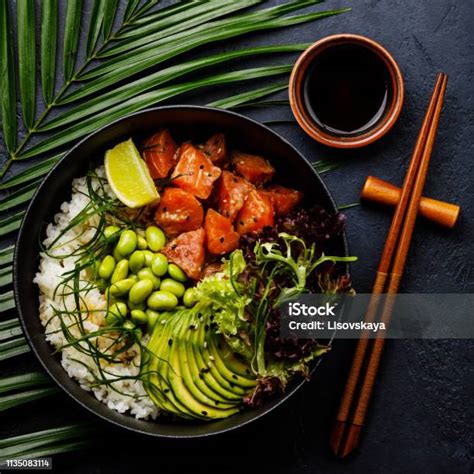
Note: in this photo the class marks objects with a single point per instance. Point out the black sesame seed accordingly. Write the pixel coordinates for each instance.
(204, 412)
(170, 341)
(241, 222)
(201, 377)
(201, 167)
(206, 327)
(165, 209)
(188, 218)
(216, 402)
(166, 390)
(235, 377)
(255, 219)
(192, 327)
(221, 240)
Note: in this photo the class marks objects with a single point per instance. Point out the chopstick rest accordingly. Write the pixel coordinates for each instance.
(379, 191)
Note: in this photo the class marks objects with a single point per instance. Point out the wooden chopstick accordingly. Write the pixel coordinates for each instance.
(345, 435)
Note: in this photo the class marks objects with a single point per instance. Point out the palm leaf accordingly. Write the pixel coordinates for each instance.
(245, 97)
(10, 332)
(6, 275)
(120, 94)
(95, 25)
(35, 171)
(26, 59)
(130, 9)
(11, 223)
(189, 18)
(13, 348)
(166, 12)
(18, 197)
(143, 9)
(6, 255)
(147, 100)
(9, 323)
(154, 53)
(29, 444)
(49, 37)
(110, 9)
(7, 79)
(71, 36)
(11, 401)
(20, 382)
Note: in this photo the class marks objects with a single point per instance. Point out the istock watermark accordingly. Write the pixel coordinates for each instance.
(402, 316)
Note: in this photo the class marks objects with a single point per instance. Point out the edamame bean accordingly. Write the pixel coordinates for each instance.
(173, 286)
(147, 274)
(142, 243)
(121, 288)
(148, 257)
(120, 272)
(152, 318)
(117, 255)
(116, 313)
(111, 230)
(129, 325)
(189, 297)
(162, 300)
(107, 267)
(159, 264)
(140, 291)
(139, 316)
(137, 260)
(127, 242)
(155, 237)
(176, 273)
(132, 306)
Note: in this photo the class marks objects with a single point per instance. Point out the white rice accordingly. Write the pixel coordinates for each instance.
(129, 396)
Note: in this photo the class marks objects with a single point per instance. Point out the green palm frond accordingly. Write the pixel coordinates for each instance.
(47, 442)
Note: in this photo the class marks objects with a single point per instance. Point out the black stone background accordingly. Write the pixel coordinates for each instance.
(420, 420)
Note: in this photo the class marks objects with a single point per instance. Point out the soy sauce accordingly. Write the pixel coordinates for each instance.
(346, 89)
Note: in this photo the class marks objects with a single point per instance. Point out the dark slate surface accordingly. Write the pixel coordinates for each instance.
(421, 418)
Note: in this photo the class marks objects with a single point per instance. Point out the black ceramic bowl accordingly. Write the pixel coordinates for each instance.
(186, 122)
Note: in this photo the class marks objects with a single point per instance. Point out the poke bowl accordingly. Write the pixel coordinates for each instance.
(152, 260)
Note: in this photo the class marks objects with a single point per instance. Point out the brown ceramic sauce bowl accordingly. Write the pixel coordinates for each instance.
(304, 111)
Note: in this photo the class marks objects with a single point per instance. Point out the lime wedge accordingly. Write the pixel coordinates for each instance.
(128, 176)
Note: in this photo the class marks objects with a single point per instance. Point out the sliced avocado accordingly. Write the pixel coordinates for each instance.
(197, 339)
(193, 382)
(176, 379)
(232, 361)
(154, 381)
(223, 367)
(210, 362)
(159, 377)
(205, 385)
(169, 368)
